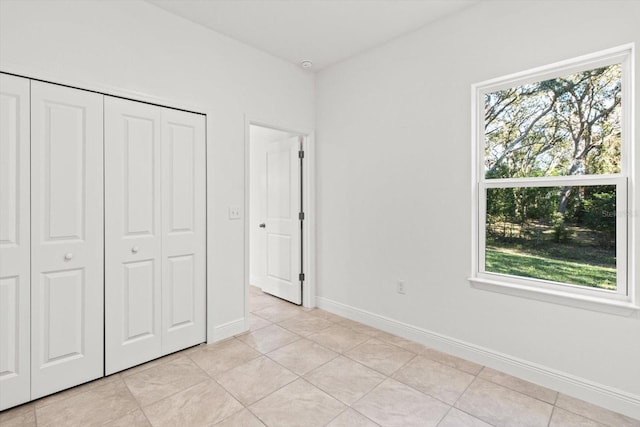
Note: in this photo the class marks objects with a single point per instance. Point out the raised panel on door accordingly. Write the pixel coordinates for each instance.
(283, 233)
(133, 234)
(15, 357)
(67, 281)
(184, 229)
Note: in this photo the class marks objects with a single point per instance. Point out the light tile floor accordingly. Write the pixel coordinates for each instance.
(298, 367)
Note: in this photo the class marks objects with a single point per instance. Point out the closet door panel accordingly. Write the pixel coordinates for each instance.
(184, 229)
(14, 242)
(132, 233)
(66, 237)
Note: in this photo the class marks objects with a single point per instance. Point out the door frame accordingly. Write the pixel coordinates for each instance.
(308, 202)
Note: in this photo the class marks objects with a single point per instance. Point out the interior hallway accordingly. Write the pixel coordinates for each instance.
(300, 367)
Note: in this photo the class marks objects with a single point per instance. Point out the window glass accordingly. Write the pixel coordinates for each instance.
(562, 234)
(563, 126)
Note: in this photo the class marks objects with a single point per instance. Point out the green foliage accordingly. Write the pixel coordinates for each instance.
(562, 126)
(520, 213)
(559, 127)
(560, 231)
(599, 213)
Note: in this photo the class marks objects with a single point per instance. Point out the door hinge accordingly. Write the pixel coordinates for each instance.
(301, 277)
(301, 216)
(301, 154)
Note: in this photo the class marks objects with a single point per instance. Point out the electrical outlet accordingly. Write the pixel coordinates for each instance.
(234, 212)
(400, 287)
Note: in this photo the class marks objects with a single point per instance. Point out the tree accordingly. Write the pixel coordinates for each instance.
(563, 126)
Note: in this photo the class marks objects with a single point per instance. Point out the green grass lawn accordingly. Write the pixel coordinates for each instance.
(525, 265)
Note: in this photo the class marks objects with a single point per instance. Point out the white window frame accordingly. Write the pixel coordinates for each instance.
(622, 301)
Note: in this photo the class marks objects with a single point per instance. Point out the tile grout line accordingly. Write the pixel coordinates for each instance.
(127, 414)
(358, 412)
(348, 405)
(188, 354)
(340, 413)
(517, 391)
(249, 361)
(445, 416)
(313, 369)
(169, 395)
(139, 407)
(383, 373)
(462, 394)
(588, 417)
(553, 410)
(276, 348)
(553, 405)
(345, 324)
(290, 330)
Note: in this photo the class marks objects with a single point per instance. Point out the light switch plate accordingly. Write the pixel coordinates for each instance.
(234, 212)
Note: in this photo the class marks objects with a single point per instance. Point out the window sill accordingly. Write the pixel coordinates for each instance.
(620, 308)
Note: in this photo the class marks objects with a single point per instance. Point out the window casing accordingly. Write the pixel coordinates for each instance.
(618, 179)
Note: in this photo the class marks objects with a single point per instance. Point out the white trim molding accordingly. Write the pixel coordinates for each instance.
(556, 296)
(624, 300)
(228, 330)
(581, 388)
(309, 203)
(48, 75)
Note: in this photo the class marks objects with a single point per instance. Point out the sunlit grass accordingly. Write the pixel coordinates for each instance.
(525, 265)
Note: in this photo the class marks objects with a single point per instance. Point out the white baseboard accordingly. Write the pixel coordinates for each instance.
(227, 330)
(255, 281)
(581, 388)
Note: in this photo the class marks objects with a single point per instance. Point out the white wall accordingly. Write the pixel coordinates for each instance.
(394, 188)
(393, 134)
(136, 47)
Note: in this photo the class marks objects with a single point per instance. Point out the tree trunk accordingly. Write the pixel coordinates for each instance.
(565, 193)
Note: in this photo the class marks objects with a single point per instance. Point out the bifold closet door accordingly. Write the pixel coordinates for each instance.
(154, 232)
(67, 336)
(15, 300)
(184, 229)
(133, 234)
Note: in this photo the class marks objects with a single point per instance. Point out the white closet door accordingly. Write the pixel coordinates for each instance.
(66, 238)
(133, 234)
(184, 233)
(14, 242)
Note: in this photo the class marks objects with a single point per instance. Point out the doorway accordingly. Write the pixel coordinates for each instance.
(277, 223)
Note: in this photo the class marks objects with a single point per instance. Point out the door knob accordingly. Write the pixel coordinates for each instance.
(68, 256)
(134, 250)
(263, 225)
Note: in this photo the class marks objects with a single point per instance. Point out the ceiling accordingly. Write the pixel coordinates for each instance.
(323, 31)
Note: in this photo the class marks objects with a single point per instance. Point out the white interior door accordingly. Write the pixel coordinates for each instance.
(282, 225)
(66, 238)
(15, 358)
(133, 234)
(184, 229)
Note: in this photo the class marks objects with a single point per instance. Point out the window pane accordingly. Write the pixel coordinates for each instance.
(564, 126)
(562, 234)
